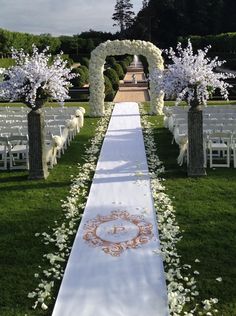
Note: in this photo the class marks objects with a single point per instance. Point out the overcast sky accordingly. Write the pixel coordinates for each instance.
(59, 17)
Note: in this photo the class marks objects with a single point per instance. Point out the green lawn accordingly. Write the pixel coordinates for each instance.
(27, 207)
(206, 211)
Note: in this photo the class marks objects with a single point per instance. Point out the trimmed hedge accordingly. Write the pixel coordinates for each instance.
(119, 70)
(85, 62)
(129, 59)
(123, 65)
(111, 61)
(225, 42)
(109, 92)
(143, 60)
(86, 72)
(79, 81)
(112, 75)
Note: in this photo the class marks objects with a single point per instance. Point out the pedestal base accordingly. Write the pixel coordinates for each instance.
(195, 143)
(37, 157)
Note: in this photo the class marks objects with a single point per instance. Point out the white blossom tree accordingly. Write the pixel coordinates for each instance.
(33, 80)
(192, 77)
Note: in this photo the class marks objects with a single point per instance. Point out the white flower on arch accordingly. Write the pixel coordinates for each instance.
(112, 48)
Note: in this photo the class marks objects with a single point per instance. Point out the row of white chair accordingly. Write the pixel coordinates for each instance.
(219, 129)
(219, 148)
(14, 146)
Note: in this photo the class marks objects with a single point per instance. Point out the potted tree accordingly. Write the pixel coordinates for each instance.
(33, 80)
(191, 77)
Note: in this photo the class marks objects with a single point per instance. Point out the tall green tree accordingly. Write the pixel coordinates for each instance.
(163, 21)
(123, 14)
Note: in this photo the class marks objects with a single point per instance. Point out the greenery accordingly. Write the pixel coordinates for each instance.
(76, 47)
(205, 209)
(19, 40)
(110, 61)
(124, 65)
(86, 73)
(220, 43)
(28, 207)
(143, 60)
(112, 75)
(109, 91)
(123, 14)
(163, 21)
(6, 62)
(119, 70)
(79, 81)
(85, 61)
(223, 45)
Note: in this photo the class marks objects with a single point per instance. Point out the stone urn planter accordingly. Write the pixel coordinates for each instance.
(37, 152)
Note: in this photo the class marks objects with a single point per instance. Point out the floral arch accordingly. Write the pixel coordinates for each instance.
(112, 48)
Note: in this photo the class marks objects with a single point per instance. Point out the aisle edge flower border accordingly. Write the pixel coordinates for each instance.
(122, 47)
(60, 235)
(181, 283)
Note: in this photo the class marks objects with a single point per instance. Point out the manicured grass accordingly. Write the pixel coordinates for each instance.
(206, 211)
(27, 207)
(211, 102)
(6, 62)
(47, 104)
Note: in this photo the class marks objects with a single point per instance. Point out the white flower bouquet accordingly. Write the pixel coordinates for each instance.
(191, 76)
(36, 77)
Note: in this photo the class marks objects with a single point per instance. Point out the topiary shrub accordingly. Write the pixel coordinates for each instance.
(118, 70)
(109, 92)
(129, 59)
(143, 60)
(85, 62)
(86, 72)
(110, 60)
(80, 80)
(112, 75)
(123, 65)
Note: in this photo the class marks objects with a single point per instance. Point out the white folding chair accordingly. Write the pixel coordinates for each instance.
(3, 152)
(219, 149)
(19, 152)
(233, 147)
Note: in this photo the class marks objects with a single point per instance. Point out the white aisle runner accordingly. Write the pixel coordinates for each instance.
(112, 269)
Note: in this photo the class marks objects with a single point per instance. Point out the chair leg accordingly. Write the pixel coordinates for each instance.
(4, 159)
(228, 157)
(234, 154)
(27, 160)
(205, 156)
(210, 158)
(11, 161)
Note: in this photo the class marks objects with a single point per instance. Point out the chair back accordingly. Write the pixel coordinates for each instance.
(18, 139)
(4, 141)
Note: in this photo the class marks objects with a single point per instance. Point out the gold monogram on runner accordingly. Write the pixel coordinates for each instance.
(117, 232)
